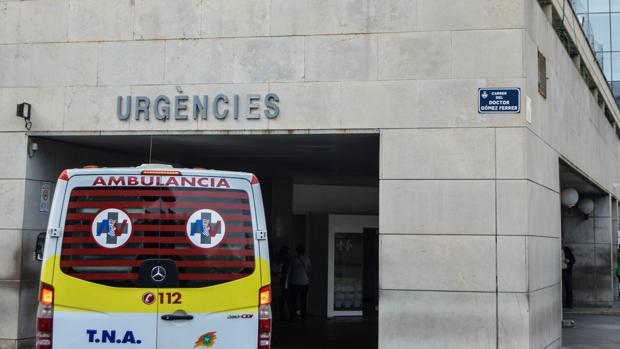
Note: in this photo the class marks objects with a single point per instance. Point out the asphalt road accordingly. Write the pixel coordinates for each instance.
(592, 332)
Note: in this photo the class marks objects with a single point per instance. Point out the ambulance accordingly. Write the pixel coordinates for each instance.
(154, 257)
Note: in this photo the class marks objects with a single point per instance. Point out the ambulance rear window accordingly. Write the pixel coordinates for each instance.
(110, 231)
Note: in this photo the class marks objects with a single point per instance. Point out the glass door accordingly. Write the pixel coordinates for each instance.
(346, 264)
(348, 272)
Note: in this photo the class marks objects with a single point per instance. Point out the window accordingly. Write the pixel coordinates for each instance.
(542, 75)
(156, 222)
(615, 87)
(580, 6)
(600, 20)
(600, 23)
(598, 5)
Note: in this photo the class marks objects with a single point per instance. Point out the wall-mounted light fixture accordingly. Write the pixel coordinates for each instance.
(569, 197)
(32, 148)
(586, 206)
(23, 111)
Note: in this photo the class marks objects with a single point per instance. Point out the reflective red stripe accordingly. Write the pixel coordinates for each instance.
(105, 276)
(211, 276)
(137, 263)
(156, 239)
(87, 232)
(215, 264)
(156, 227)
(154, 251)
(78, 240)
(101, 263)
(162, 216)
(134, 276)
(156, 204)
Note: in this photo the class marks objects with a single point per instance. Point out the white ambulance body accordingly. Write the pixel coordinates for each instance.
(157, 258)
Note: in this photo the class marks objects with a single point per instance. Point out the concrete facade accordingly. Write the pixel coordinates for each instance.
(470, 217)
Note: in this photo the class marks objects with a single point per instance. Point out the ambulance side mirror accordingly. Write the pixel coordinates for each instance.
(38, 249)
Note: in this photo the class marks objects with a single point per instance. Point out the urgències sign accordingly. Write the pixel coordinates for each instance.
(185, 107)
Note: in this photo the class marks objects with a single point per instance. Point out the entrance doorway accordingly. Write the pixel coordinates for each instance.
(307, 181)
(589, 237)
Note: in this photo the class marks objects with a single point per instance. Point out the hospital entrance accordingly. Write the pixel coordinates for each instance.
(321, 195)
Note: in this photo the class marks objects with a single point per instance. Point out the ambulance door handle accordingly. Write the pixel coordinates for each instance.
(172, 317)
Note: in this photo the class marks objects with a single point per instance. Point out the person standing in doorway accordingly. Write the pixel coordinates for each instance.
(299, 281)
(568, 260)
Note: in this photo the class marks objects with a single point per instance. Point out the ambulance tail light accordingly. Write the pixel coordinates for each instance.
(45, 319)
(264, 318)
(265, 295)
(64, 176)
(254, 179)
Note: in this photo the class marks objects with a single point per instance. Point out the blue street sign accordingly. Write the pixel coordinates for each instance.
(499, 100)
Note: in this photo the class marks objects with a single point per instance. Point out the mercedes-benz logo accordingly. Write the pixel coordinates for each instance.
(158, 273)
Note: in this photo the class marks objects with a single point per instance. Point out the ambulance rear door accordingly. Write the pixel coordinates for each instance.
(213, 292)
(110, 232)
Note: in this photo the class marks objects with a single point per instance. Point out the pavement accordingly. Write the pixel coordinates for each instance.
(594, 328)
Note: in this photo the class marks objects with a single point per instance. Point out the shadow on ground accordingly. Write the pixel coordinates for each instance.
(336, 333)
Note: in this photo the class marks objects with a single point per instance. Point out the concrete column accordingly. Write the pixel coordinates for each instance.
(438, 261)
(528, 229)
(470, 240)
(12, 186)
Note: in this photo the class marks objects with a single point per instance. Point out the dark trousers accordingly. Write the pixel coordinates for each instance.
(567, 285)
(283, 304)
(297, 293)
